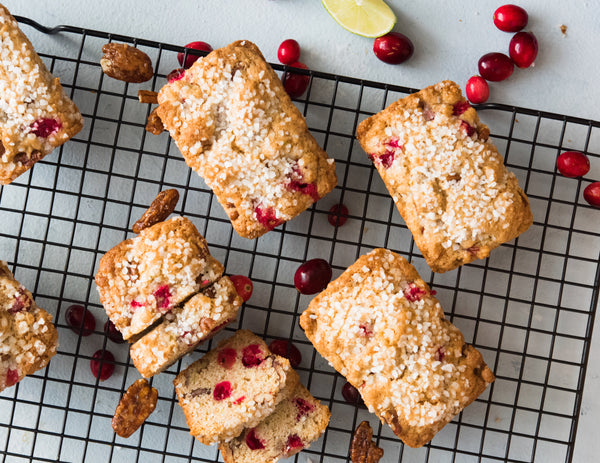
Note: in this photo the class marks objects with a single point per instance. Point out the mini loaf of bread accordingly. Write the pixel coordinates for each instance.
(236, 126)
(380, 326)
(35, 114)
(446, 177)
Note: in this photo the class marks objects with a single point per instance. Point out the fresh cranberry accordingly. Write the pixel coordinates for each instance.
(113, 333)
(338, 215)
(12, 377)
(460, 107)
(495, 67)
(102, 364)
(162, 296)
(296, 183)
(414, 293)
(296, 84)
(510, 18)
(21, 303)
(573, 164)
(190, 58)
(267, 217)
(478, 90)
(243, 286)
(175, 74)
(304, 407)
(43, 128)
(80, 320)
(468, 128)
(226, 357)
(592, 194)
(222, 390)
(288, 350)
(351, 394)
(312, 276)
(253, 442)
(523, 49)
(252, 356)
(288, 52)
(294, 444)
(393, 48)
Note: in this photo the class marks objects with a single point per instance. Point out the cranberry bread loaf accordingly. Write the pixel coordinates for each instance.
(185, 327)
(447, 179)
(145, 277)
(237, 127)
(379, 325)
(35, 114)
(296, 422)
(233, 387)
(28, 338)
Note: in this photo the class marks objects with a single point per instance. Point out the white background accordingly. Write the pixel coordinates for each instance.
(449, 37)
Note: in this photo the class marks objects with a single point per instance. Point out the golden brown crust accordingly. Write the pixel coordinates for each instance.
(379, 325)
(447, 179)
(35, 114)
(237, 127)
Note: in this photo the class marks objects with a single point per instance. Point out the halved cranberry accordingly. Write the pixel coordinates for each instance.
(312, 276)
(113, 333)
(21, 303)
(414, 293)
(190, 58)
(523, 49)
(478, 90)
(293, 444)
(80, 320)
(226, 357)
(309, 189)
(252, 440)
(243, 286)
(162, 296)
(338, 215)
(175, 74)
(386, 159)
(288, 52)
(45, 127)
(252, 356)
(288, 350)
(495, 67)
(222, 390)
(510, 18)
(460, 107)
(351, 394)
(102, 364)
(296, 84)
(468, 128)
(304, 407)
(573, 164)
(393, 48)
(12, 377)
(267, 217)
(592, 194)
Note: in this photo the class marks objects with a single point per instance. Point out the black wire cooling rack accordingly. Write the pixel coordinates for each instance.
(529, 308)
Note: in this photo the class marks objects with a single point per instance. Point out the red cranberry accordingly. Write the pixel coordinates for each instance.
(267, 217)
(473, 250)
(80, 320)
(393, 48)
(296, 84)
(592, 194)
(414, 293)
(573, 164)
(468, 128)
(510, 18)
(386, 159)
(43, 128)
(162, 296)
(460, 107)
(312, 276)
(113, 333)
(293, 445)
(222, 390)
(309, 189)
(175, 74)
(304, 407)
(351, 394)
(523, 49)
(21, 303)
(288, 52)
(243, 286)
(190, 58)
(12, 377)
(252, 356)
(338, 215)
(478, 90)
(253, 442)
(495, 67)
(288, 350)
(366, 330)
(104, 371)
(226, 357)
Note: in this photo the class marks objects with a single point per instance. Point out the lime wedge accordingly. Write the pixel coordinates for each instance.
(369, 18)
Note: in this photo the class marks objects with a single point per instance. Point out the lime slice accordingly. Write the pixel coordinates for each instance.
(369, 18)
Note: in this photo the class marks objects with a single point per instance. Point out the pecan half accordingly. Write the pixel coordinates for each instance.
(147, 96)
(159, 210)
(154, 124)
(135, 406)
(363, 449)
(126, 63)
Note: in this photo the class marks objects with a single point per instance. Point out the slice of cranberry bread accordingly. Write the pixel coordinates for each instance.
(28, 338)
(237, 127)
(35, 114)
(233, 387)
(446, 177)
(145, 277)
(380, 326)
(185, 327)
(294, 425)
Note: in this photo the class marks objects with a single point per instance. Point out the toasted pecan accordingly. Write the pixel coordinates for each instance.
(137, 404)
(154, 124)
(126, 63)
(363, 449)
(148, 96)
(159, 210)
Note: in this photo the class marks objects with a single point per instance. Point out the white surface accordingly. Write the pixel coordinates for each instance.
(449, 37)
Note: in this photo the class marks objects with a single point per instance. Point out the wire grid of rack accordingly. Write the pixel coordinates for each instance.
(529, 308)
